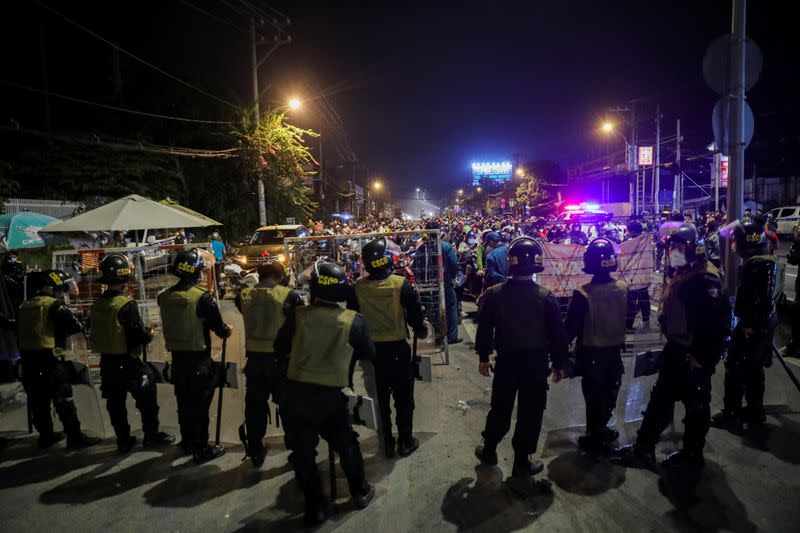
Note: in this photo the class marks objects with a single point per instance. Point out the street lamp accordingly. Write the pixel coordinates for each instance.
(294, 103)
(478, 189)
(460, 192)
(608, 127)
(377, 185)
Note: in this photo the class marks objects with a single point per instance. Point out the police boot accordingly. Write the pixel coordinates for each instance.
(159, 439)
(388, 446)
(486, 454)
(125, 444)
(636, 456)
(608, 434)
(48, 439)
(684, 459)
(755, 419)
(594, 443)
(208, 453)
(81, 440)
(727, 419)
(315, 517)
(362, 500)
(524, 467)
(185, 447)
(257, 452)
(407, 446)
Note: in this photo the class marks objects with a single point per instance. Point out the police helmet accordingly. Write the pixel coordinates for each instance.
(272, 270)
(188, 264)
(599, 257)
(376, 257)
(750, 237)
(329, 282)
(686, 234)
(524, 257)
(58, 280)
(116, 268)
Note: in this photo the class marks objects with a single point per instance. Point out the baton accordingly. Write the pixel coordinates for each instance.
(415, 360)
(786, 367)
(222, 379)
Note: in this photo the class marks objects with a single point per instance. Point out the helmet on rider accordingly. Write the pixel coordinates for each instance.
(524, 257)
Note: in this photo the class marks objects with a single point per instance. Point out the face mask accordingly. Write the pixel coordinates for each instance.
(677, 259)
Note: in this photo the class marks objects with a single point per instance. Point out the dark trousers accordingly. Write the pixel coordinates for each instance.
(677, 381)
(265, 375)
(393, 376)
(46, 381)
(601, 370)
(123, 374)
(194, 378)
(451, 307)
(312, 411)
(638, 301)
(744, 372)
(523, 377)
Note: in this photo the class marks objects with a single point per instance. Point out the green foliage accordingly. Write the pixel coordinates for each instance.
(530, 192)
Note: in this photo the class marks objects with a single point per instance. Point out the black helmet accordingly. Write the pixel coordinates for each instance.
(635, 228)
(524, 257)
(115, 269)
(750, 237)
(329, 282)
(57, 279)
(376, 258)
(599, 257)
(686, 234)
(216, 236)
(432, 224)
(188, 264)
(271, 269)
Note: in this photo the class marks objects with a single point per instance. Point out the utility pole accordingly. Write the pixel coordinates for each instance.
(255, 62)
(736, 140)
(657, 169)
(677, 191)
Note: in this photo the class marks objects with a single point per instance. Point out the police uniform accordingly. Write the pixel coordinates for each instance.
(188, 315)
(521, 319)
(695, 319)
(264, 309)
(596, 318)
(323, 341)
(388, 303)
(44, 323)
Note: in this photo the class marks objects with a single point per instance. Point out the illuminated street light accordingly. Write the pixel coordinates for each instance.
(460, 191)
(520, 171)
(479, 189)
(608, 127)
(377, 185)
(294, 103)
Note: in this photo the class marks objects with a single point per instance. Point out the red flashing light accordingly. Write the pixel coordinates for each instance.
(264, 253)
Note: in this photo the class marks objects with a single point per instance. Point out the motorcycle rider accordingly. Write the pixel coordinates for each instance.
(264, 309)
(119, 335)
(324, 341)
(389, 304)
(759, 288)
(522, 320)
(596, 318)
(695, 318)
(44, 323)
(496, 260)
(188, 314)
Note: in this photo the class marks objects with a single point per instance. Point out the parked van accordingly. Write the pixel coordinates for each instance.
(786, 218)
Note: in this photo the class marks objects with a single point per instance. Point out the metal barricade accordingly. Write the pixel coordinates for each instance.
(418, 257)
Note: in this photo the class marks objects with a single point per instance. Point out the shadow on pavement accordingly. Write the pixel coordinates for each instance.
(488, 503)
(586, 474)
(704, 501)
(779, 440)
(44, 465)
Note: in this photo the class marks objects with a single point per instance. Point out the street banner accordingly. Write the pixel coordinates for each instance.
(635, 262)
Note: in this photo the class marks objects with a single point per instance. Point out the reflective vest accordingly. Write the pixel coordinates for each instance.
(36, 330)
(379, 303)
(321, 350)
(262, 311)
(183, 329)
(604, 323)
(673, 311)
(108, 335)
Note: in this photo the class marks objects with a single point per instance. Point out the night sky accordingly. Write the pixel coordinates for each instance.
(422, 89)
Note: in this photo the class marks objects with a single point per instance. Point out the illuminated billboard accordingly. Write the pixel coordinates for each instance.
(497, 171)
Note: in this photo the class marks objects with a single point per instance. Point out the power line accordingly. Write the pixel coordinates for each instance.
(134, 56)
(130, 146)
(213, 16)
(111, 107)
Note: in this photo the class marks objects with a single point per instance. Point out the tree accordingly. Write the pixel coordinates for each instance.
(531, 193)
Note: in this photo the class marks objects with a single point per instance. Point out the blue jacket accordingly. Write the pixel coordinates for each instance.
(497, 265)
(219, 250)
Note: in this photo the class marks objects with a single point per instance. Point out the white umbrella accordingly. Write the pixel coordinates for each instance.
(133, 212)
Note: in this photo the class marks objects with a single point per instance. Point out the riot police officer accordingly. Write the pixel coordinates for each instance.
(188, 314)
(596, 318)
(523, 321)
(324, 341)
(44, 323)
(119, 335)
(759, 288)
(695, 319)
(264, 309)
(388, 303)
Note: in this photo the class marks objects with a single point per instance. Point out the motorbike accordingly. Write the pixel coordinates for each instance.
(234, 278)
(469, 281)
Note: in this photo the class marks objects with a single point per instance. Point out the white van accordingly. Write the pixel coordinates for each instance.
(786, 218)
